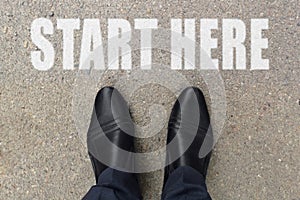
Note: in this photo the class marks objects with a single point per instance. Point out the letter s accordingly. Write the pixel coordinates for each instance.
(39, 27)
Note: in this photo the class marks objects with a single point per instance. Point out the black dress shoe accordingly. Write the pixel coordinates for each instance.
(189, 126)
(111, 129)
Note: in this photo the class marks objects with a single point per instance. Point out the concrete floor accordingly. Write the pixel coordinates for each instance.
(41, 153)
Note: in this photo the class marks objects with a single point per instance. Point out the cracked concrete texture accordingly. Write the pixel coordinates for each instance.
(256, 157)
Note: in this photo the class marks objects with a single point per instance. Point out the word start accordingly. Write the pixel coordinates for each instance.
(182, 44)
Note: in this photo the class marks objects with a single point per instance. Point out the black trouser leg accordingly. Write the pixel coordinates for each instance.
(113, 184)
(185, 183)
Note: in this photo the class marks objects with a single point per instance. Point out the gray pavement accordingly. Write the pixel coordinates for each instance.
(256, 157)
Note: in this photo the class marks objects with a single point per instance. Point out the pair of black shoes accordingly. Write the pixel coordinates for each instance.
(189, 124)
